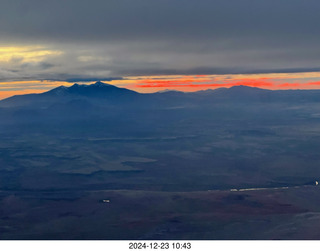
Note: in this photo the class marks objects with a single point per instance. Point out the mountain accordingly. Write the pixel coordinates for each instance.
(96, 153)
(103, 94)
(99, 91)
(104, 101)
(169, 91)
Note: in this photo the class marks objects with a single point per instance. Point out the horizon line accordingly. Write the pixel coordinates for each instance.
(162, 91)
(181, 83)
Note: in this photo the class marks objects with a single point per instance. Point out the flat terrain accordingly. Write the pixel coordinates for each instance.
(292, 213)
(181, 167)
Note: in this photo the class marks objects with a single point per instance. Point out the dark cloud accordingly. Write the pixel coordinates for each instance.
(45, 65)
(114, 20)
(217, 71)
(73, 80)
(102, 39)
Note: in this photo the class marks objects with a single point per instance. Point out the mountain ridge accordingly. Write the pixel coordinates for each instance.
(98, 87)
(98, 90)
(103, 92)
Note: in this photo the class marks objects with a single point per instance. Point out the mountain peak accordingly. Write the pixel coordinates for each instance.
(100, 84)
(169, 90)
(96, 84)
(244, 87)
(59, 91)
(75, 85)
(98, 89)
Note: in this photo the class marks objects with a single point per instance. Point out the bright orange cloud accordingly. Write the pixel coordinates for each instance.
(180, 81)
(289, 85)
(254, 83)
(177, 84)
(189, 83)
(317, 83)
(186, 83)
(199, 83)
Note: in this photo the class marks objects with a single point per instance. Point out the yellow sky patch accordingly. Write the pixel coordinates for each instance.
(26, 53)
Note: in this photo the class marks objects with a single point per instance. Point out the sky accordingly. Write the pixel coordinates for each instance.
(152, 45)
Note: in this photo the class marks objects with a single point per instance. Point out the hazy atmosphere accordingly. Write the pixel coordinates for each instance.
(159, 120)
(75, 41)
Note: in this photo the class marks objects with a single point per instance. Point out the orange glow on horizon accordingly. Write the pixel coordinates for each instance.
(7, 94)
(8, 89)
(203, 82)
(185, 83)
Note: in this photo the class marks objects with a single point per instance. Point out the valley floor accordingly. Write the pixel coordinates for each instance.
(290, 214)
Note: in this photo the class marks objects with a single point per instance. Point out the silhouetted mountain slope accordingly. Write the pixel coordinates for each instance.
(102, 94)
(99, 91)
(253, 94)
(223, 138)
(102, 101)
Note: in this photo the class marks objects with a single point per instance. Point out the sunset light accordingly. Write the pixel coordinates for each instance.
(29, 54)
(162, 123)
(185, 83)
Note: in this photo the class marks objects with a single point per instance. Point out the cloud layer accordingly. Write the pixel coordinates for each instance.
(99, 39)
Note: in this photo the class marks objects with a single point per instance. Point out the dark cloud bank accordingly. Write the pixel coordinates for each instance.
(128, 37)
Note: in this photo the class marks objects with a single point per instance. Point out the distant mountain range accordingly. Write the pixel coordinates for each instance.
(100, 93)
(101, 103)
(99, 89)
(223, 138)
